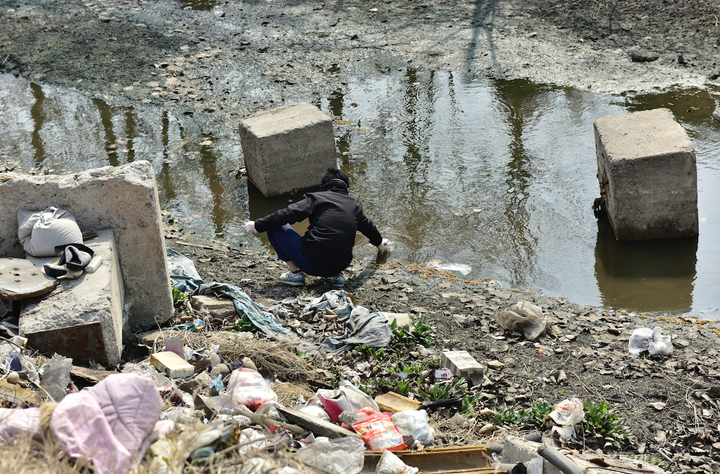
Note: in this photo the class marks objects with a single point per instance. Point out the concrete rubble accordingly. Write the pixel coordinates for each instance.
(123, 199)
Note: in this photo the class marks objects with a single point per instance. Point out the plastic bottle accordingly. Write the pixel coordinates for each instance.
(94, 264)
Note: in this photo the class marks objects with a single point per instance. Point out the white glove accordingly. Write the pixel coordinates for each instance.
(386, 246)
(250, 227)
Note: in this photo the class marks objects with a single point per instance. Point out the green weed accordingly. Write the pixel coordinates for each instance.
(602, 421)
(468, 406)
(244, 324)
(444, 391)
(178, 296)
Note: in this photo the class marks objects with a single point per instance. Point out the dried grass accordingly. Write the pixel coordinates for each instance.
(270, 357)
(23, 455)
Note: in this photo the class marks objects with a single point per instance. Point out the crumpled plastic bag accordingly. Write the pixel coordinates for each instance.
(567, 414)
(391, 464)
(524, 317)
(247, 387)
(414, 426)
(651, 340)
(340, 455)
(346, 398)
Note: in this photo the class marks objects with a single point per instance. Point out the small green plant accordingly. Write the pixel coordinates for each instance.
(468, 406)
(178, 296)
(395, 385)
(423, 331)
(539, 411)
(373, 352)
(507, 416)
(534, 415)
(444, 391)
(602, 421)
(244, 324)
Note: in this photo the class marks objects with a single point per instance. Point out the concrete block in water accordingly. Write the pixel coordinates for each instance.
(82, 318)
(123, 198)
(288, 148)
(647, 174)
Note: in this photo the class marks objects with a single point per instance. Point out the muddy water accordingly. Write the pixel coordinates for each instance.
(495, 175)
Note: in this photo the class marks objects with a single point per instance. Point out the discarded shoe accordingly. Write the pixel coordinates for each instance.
(293, 278)
(338, 280)
(61, 272)
(75, 256)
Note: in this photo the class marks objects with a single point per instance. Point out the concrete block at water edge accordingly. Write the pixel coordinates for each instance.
(172, 365)
(648, 175)
(215, 307)
(82, 318)
(288, 148)
(461, 363)
(124, 199)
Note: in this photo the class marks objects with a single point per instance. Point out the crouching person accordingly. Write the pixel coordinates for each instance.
(326, 248)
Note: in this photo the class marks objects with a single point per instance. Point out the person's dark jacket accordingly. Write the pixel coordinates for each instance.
(335, 217)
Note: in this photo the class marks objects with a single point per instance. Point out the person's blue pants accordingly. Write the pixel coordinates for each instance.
(286, 243)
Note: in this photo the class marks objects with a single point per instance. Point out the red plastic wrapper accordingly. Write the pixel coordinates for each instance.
(379, 432)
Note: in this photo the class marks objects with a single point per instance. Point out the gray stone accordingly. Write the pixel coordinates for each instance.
(124, 199)
(82, 319)
(643, 56)
(20, 279)
(288, 148)
(648, 175)
(215, 307)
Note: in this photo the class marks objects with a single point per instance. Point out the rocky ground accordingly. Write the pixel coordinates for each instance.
(667, 403)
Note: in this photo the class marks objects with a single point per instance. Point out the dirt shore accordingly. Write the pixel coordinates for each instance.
(666, 402)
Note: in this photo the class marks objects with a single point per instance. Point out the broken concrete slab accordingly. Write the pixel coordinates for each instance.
(648, 175)
(461, 363)
(215, 307)
(82, 319)
(124, 199)
(171, 364)
(288, 148)
(20, 279)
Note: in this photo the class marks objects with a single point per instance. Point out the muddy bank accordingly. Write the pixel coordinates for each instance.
(210, 63)
(666, 402)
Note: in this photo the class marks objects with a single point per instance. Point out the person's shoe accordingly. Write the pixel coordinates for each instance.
(338, 280)
(293, 278)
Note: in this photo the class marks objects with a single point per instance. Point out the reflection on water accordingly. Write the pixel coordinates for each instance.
(469, 170)
(658, 273)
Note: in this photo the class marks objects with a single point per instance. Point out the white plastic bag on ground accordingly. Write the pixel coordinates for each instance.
(247, 387)
(391, 464)
(335, 456)
(651, 340)
(524, 317)
(568, 412)
(346, 398)
(414, 424)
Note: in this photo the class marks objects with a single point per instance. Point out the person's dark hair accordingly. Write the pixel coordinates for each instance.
(334, 176)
